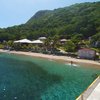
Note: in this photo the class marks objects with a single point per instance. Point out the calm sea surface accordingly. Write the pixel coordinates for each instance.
(28, 78)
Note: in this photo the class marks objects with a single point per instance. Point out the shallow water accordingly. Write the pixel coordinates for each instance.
(28, 78)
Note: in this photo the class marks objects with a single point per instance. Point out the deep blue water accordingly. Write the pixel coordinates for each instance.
(28, 78)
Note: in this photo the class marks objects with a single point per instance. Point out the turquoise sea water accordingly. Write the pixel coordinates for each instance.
(28, 78)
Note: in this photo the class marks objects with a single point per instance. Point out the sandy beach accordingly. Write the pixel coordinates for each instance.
(54, 57)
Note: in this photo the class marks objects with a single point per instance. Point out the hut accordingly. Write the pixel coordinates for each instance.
(37, 42)
(23, 41)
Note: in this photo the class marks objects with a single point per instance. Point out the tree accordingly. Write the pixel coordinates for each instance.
(77, 38)
(55, 41)
(95, 40)
(70, 46)
(47, 43)
(10, 44)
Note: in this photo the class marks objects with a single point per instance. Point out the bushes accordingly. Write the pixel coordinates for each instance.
(1, 46)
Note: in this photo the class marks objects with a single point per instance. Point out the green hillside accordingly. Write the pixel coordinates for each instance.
(66, 22)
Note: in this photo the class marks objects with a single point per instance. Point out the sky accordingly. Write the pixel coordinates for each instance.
(16, 12)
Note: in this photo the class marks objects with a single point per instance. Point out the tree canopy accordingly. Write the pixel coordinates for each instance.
(81, 18)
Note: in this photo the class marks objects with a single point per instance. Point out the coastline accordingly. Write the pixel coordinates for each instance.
(55, 57)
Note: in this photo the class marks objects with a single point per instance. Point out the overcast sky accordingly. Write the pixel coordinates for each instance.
(15, 12)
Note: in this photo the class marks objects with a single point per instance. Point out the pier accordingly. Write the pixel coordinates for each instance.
(92, 92)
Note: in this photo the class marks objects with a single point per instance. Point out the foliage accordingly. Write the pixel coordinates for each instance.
(95, 40)
(1, 46)
(77, 38)
(70, 46)
(81, 18)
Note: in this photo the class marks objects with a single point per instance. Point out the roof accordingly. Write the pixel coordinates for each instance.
(23, 41)
(42, 38)
(37, 42)
(63, 40)
(87, 49)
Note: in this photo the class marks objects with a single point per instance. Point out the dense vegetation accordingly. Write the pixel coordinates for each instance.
(77, 22)
(76, 19)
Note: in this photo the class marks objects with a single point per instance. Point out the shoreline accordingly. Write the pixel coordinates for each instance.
(55, 57)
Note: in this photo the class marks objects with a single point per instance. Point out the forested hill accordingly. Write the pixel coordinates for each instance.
(81, 18)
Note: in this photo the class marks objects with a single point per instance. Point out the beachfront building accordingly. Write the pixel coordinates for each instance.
(42, 38)
(23, 41)
(37, 42)
(23, 44)
(86, 53)
(37, 45)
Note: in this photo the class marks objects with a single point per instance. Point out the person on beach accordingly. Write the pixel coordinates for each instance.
(71, 62)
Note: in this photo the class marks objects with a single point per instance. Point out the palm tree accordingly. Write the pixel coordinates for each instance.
(51, 43)
(55, 43)
(47, 44)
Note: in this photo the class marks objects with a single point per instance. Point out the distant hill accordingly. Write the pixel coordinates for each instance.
(81, 18)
